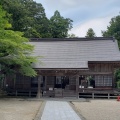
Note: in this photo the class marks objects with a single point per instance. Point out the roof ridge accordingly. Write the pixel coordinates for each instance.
(71, 39)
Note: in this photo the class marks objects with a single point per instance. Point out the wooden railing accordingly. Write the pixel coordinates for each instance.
(99, 92)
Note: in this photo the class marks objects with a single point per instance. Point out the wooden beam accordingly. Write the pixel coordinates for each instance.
(71, 72)
(94, 73)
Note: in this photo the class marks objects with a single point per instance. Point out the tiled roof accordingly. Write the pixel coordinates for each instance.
(74, 53)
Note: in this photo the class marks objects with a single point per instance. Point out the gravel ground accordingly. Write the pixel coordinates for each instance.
(16, 109)
(99, 109)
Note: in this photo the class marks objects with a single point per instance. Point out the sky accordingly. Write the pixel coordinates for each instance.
(95, 14)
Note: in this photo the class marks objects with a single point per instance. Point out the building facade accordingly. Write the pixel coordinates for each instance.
(69, 67)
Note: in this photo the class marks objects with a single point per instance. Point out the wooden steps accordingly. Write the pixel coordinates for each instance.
(69, 93)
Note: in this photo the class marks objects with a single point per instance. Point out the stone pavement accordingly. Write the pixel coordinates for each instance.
(59, 110)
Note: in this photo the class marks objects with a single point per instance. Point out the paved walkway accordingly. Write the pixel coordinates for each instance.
(59, 110)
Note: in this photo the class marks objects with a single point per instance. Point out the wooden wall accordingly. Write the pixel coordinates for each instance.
(104, 73)
(101, 67)
(95, 69)
(22, 82)
(72, 82)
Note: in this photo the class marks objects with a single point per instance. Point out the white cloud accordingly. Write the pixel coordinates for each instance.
(96, 24)
(68, 2)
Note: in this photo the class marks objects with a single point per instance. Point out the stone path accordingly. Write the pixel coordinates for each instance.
(59, 110)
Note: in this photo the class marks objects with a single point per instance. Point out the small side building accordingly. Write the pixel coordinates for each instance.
(70, 67)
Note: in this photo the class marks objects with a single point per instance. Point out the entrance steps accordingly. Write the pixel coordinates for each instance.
(69, 93)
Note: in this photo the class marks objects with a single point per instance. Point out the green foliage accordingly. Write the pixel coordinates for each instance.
(14, 50)
(26, 16)
(72, 36)
(60, 25)
(29, 17)
(90, 33)
(3, 22)
(113, 29)
(1, 77)
(117, 75)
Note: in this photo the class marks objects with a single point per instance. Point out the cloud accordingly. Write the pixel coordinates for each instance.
(96, 24)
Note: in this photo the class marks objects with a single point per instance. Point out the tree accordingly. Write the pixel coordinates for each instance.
(72, 36)
(113, 29)
(14, 50)
(90, 33)
(27, 16)
(60, 25)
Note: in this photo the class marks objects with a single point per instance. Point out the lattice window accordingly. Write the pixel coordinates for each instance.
(107, 80)
(99, 81)
(103, 80)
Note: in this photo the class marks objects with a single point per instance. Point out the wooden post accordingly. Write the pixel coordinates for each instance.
(29, 93)
(93, 95)
(113, 80)
(108, 95)
(16, 93)
(77, 86)
(45, 88)
(4, 82)
(14, 81)
(39, 88)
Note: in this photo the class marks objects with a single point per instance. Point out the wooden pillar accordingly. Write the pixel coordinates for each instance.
(14, 81)
(29, 93)
(39, 87)
(93, 95)
(108, 95)
(77, 86)
(113, 76)
(45, 83)
(16, 92)
(4, 82)
(113, 80)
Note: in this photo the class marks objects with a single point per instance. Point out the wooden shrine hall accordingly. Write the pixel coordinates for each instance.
(70, 67)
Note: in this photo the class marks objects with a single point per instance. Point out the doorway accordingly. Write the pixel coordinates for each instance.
(61, 81)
